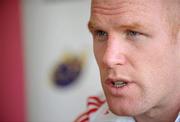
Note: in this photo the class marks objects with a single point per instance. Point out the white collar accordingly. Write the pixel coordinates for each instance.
(178, 118)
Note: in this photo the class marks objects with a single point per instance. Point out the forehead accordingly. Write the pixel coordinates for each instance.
(126, 11)
(113, 3)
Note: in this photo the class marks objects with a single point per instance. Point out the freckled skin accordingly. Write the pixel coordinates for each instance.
(149, 59)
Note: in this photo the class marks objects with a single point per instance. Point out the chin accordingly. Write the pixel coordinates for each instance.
(123, 108)
(120, 111)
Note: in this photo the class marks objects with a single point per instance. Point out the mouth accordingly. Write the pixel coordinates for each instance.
(119, 83)
(118, 86)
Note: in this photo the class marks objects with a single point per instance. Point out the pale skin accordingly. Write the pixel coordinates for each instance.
(135, 41)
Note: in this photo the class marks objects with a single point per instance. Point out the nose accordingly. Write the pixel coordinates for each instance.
(114, 54)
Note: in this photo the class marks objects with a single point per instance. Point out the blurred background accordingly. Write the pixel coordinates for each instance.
(47, 67)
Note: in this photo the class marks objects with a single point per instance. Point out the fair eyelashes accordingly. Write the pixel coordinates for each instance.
(133, 35)
(101, 35)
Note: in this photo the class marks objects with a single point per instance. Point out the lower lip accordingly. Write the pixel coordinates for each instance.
(117, 91)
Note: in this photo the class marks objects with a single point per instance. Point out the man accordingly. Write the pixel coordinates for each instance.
(137, 48)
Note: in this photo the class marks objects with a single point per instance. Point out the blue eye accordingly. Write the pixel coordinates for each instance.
(100, 35)
(133, 33)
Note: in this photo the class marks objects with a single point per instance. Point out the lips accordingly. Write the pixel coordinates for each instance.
(117, 82)
(117, 86)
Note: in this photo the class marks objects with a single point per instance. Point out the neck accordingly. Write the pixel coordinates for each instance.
(160, 114)
(165, 117)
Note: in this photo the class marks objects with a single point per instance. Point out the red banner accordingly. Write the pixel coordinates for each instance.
(12, 96)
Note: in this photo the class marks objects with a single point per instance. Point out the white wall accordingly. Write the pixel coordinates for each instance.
(51, 29)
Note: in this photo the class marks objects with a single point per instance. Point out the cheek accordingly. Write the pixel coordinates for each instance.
(98, 56)
(157, 75)
(98, 53)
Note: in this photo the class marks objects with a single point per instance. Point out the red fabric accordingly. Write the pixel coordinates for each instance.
(12, 100)
(93, 104)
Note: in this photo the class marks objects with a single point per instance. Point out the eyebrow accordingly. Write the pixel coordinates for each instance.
(135, 25)
(91, 25)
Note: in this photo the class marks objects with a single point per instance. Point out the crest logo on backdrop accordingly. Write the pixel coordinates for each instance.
(69, 69)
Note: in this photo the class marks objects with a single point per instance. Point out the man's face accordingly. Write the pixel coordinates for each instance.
(136, 55)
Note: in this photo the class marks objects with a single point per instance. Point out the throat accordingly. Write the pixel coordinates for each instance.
(157, 116)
